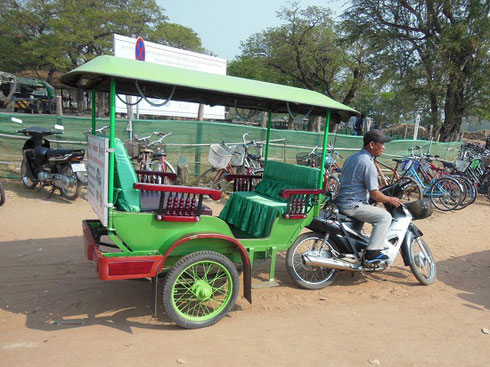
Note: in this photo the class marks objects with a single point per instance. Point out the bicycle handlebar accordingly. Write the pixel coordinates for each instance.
(99, 130)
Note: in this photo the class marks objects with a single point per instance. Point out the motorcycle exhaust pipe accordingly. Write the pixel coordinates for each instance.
(330, 263)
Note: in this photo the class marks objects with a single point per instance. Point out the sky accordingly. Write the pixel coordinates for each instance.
(223, 24)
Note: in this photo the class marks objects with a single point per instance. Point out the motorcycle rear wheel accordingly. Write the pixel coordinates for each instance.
(308, 277)
(26, 180)
(74, 191)
(422, 262)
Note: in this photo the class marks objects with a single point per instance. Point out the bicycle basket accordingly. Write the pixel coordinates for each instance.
(238, 155)
(410, 163)
(133, 148)
(461, 164)
(219, 156)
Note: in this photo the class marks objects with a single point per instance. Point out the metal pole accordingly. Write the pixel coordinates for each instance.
(267, 137)
(324, 153)
(112, 109)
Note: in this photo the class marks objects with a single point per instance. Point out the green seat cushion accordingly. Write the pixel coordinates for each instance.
(126, 197)
(252, 212)
(294, 176)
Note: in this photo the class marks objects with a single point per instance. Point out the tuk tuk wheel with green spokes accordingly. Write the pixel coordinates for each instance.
(200, 289)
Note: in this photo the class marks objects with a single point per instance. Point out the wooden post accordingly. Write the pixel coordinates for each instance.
(264, 120)
(200, 112)
(182, 171)
(431, 128)
(406, 132)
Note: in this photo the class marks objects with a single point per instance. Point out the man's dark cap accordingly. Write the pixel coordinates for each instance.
(376, 135)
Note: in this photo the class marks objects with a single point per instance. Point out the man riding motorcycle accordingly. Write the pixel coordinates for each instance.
(358, 182)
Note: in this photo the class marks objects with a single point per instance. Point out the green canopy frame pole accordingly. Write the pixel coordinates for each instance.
(325, 144)
(267, 137)
(112, 103)
(94, 108)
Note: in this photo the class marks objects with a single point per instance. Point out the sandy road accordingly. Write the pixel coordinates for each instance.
(55, 312)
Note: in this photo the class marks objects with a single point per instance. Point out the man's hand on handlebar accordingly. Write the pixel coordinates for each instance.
(394, 201)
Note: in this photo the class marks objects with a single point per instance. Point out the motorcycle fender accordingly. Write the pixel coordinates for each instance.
(81, 177)
(412, 233)
(28, 163)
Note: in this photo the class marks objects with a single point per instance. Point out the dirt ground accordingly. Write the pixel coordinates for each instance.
(55, 312)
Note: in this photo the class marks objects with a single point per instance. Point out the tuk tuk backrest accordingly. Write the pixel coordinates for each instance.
(126, 197)
(279, 175)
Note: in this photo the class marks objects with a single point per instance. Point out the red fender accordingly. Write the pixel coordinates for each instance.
(247, 269)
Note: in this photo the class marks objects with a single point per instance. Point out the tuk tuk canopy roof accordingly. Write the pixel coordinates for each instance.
(158, 81)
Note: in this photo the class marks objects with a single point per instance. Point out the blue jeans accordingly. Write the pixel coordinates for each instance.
(379, 218)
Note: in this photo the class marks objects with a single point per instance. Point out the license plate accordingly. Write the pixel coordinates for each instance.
(78, 167)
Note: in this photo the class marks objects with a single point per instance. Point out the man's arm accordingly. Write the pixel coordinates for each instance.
(382, 198)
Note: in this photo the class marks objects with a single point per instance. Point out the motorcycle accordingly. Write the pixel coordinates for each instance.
(60, 168)
(336, 243)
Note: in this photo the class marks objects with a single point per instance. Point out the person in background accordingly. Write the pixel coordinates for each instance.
(359, 125)
(367, 124)
(358, 182)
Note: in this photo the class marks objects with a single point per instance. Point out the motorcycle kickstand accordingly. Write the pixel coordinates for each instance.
(52, 191)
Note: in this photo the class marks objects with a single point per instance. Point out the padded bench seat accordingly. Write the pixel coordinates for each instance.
(255, 212)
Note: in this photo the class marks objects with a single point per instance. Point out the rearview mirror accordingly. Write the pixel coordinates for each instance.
(15, 119)
(59, 127)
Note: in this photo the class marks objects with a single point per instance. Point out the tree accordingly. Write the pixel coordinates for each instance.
(59, 35)
(439, 48)
(307, 51)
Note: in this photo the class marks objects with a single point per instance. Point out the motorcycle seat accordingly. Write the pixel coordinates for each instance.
(62, 151)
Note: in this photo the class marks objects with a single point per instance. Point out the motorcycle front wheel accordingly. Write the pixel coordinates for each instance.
(309, 277)
(73, 191)
(422, 262)
(26, 180)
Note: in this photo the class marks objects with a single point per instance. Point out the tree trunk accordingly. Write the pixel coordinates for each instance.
(453, 108)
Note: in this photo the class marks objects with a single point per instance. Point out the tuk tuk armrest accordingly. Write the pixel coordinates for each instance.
(242, 182)
(170, 175)
(212, 193)
(231, 177)
(287, 193)
(299, 202)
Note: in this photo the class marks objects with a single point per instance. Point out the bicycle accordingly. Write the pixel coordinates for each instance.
(331, 181)
(231, 160)
(445, 192)
(411, 190)
(159, 162)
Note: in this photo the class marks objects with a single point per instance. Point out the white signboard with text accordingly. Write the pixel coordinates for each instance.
(137, 49)
(98, 175)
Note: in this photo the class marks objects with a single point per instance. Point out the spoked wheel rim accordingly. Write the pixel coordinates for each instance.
(411, 190)
(310, 274)
(202, 291)
(446, 194)
(423, 263)
(72, 192)
(30, 184)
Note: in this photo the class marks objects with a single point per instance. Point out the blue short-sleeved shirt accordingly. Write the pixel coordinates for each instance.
(359, 176)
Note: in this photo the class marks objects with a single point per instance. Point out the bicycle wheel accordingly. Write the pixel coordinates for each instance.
(445, 193)
(332, 184)
(411, 190)
(214, 179)
(469, 194)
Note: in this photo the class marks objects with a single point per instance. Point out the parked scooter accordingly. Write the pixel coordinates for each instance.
(337, 243)
(60, 168)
